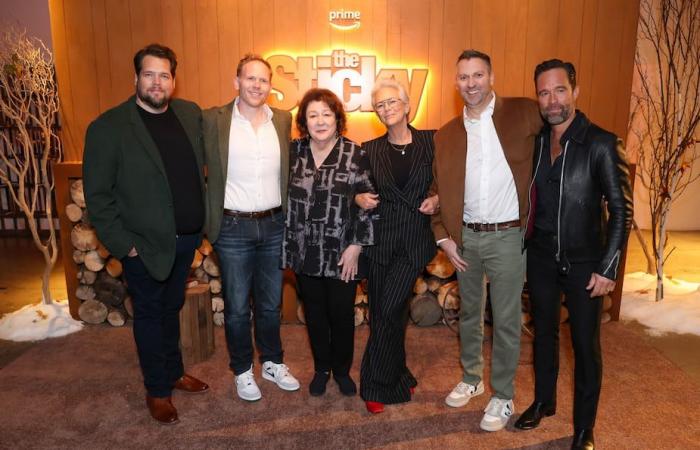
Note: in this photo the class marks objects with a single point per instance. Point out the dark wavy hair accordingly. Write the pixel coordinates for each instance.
(159, 51)
(329, 98)
(557, 64)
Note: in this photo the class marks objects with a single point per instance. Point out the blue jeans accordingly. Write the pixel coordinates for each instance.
(249, 251)
(157, 307)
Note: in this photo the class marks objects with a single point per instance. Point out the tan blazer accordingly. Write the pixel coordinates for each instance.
(216, 128)
(517, 122)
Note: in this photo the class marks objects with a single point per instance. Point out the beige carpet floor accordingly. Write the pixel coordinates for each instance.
(84, 391)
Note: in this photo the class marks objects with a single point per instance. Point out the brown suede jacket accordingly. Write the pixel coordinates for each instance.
(517, 122)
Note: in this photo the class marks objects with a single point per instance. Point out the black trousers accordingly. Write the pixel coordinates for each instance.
(157, 307)
(384, 376)
(329, 308)
(546, 285)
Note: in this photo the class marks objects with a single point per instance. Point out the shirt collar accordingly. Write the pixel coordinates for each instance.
(488, 112)
(237, 114)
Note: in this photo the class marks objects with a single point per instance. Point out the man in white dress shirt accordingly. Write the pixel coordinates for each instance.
(482, 168)
(247, 151)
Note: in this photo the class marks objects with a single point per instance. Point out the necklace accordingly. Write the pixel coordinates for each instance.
(399, 148)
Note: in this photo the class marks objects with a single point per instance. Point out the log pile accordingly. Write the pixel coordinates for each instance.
(102, 288)
(434, 290)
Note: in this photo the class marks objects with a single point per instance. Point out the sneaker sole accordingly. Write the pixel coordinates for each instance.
(271, 378)
(492, 427)
(463, 402)
(249, 399)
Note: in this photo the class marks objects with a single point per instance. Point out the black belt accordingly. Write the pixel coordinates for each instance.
(253, 214)
(476, 227)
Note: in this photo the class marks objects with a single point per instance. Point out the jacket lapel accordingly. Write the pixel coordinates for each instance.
(223, 128)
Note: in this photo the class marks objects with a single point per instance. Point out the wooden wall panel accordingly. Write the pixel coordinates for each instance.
(94, 42)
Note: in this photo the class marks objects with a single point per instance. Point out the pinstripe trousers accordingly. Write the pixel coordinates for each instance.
(384, 376)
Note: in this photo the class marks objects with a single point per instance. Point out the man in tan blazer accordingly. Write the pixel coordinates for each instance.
(482, 168)
(247, 155)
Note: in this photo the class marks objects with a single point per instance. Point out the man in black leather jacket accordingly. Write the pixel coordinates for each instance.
(573, 247)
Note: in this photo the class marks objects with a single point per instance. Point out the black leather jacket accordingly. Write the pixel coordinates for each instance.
(594, 170)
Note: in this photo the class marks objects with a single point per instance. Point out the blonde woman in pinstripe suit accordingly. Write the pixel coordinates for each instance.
(401, 164)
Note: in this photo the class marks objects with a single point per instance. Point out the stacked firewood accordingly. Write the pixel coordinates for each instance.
(205, 269)
(436, 289)
(102, 288)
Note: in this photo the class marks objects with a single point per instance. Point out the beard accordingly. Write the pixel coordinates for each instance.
(558, 115)
(152, 101)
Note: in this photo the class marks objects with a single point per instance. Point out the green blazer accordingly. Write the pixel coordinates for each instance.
(126, 188)
(216, 130)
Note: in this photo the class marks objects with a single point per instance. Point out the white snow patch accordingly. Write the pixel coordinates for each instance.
(678, 312)
(39, 321)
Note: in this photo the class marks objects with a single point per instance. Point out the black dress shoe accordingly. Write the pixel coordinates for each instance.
(583, 439)
(532, 416)
(346, 385)
(318, 384)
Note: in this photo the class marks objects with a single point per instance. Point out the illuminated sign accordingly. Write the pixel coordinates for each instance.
(349, 75)
(344, 20)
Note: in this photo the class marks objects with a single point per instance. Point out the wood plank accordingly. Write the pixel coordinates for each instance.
(120, 50)
(104, 74)
(415, 47)
(173, 37)
(587, 53)
(207, 53)
(72, 144)
(229, 51)
(569, 31)
(190, 55)
(146, 23)
(433, 94)
(540, 38)
(81, 60)
(626, 68)
(515, 49)
(454, 24)
(607, 54)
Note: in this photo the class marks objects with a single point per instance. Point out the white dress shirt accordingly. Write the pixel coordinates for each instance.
(253, 173)
(489, 189)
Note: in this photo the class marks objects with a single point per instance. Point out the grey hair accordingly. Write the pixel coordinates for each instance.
(390, 83)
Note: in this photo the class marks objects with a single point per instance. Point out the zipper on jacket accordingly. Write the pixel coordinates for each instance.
(561, 189)
(529, 193)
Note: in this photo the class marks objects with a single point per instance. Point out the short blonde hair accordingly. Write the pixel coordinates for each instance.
(390, 83)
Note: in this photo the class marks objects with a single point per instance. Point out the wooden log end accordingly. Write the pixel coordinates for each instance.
(92, 311)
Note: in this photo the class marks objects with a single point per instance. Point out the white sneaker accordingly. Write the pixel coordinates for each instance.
(462, 393)
(497, 413)
(246, 387)
(279, 374)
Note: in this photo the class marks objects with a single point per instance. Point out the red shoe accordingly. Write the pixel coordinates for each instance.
(374, 407)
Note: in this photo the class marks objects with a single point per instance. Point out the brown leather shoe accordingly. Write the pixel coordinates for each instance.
(191, 385)
(162, 409)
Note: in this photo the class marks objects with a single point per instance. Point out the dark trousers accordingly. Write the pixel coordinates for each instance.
(157, 307)
(546, 285)
(329, 309)
(384, 376)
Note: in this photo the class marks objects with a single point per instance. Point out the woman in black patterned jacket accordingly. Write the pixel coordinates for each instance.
(401, 166)
(325, 232)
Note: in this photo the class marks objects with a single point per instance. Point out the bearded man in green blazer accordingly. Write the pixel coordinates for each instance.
(247, 154)
(144, 189)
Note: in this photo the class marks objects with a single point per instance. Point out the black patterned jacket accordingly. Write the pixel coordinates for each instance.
(322, 218)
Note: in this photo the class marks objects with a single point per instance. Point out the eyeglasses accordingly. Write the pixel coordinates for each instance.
(389, 103)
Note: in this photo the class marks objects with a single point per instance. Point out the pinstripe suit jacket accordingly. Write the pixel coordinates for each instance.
(400, 225)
